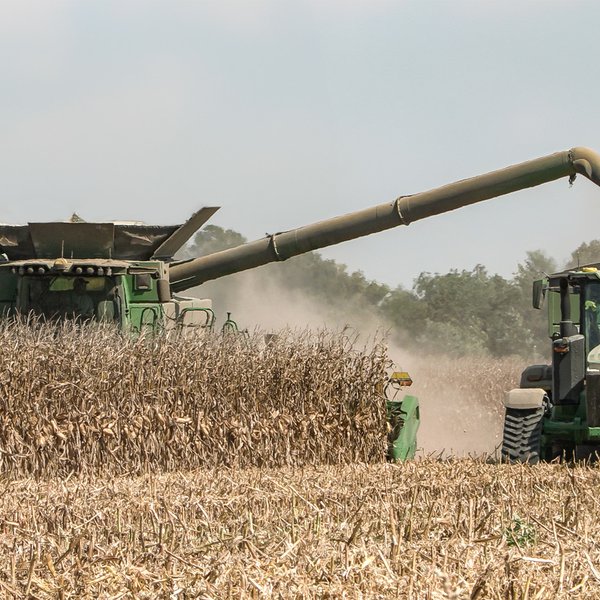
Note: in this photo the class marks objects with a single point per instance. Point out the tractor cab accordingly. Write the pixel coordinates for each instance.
(579, 304)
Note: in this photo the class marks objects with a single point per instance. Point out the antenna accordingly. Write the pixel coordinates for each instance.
(62, 249)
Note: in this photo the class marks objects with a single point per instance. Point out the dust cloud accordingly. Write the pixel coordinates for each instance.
(460, 401)
(259, 301)
(460, 398)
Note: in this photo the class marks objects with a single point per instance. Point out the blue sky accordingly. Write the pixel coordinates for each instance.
(285, 113)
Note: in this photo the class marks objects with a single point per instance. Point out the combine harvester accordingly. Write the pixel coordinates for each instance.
(125, 273)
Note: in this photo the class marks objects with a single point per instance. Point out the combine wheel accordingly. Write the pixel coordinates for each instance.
(521, 441)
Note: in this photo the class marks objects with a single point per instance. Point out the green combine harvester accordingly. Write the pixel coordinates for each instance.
(125, 273)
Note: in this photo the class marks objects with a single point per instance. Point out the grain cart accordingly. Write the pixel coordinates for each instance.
(125, 272)
(556, 410)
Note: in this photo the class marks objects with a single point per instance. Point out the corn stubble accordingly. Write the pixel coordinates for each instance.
(424, 529)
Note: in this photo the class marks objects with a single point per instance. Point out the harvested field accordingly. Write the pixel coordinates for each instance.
(76, 400)
(421, 530)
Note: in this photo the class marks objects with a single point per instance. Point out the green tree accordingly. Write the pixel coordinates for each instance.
(406, 314)
(473, 311)
(585, 254)
(213, 238)
(537, 265)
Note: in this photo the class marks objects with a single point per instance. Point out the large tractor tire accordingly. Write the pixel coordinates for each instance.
(521, 441)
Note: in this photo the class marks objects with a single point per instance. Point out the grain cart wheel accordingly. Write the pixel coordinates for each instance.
(522, 436)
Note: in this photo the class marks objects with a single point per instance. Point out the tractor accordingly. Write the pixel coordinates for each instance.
(555, 412)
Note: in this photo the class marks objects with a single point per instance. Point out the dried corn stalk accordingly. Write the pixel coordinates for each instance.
(78, 399)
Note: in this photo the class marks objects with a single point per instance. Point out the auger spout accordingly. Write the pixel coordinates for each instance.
(402, 211)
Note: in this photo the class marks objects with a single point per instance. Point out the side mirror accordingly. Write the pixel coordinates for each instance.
(539, 293)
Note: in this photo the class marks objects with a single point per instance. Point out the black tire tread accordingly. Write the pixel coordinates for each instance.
(522, 437)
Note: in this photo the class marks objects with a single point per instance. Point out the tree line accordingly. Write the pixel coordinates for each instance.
(457, 313)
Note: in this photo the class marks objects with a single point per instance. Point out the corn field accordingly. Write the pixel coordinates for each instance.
(210, 467)
(73, 401)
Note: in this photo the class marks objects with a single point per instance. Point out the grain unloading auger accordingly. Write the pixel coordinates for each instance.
(402, 211)
(125, 272)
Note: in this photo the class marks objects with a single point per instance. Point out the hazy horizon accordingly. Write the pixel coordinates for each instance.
(288, 113)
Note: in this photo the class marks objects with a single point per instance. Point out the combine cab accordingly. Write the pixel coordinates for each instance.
(109, 272)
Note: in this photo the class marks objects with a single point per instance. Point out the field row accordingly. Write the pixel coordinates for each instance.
(424, 529)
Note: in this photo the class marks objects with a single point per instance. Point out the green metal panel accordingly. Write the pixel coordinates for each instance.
(145, 316)
(404, 420)
(567, 423)
(138, 295)
(143, 311)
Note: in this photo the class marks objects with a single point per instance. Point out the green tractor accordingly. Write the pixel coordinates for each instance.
(555, 413)
(126, 273)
